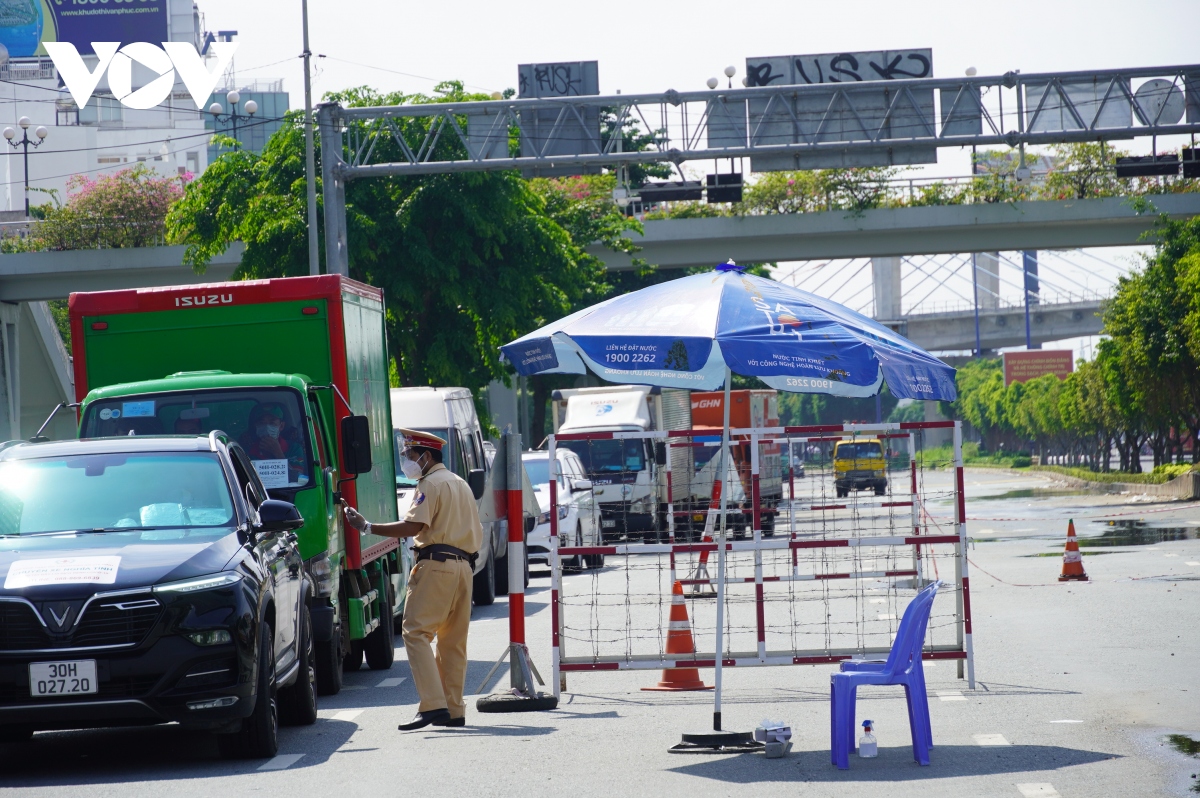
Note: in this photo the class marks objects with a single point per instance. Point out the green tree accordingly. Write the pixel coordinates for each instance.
(1084, 170)
(467, 261)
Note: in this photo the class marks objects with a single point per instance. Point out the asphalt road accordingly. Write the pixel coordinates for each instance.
(1078, 687)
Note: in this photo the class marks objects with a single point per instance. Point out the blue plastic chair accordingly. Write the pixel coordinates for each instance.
(902, 666)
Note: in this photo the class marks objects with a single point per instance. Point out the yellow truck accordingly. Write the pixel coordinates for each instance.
(859, 465)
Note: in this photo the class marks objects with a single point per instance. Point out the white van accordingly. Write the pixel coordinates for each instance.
(449, 413)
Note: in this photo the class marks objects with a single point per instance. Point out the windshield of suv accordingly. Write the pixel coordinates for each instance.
(609, 456)
(859, 451)
(266, 422)
(161, 490)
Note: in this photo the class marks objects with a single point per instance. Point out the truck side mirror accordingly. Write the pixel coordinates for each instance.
(477, 479)
(660, 453)
(356, 445)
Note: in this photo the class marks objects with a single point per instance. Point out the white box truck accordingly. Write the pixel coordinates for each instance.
(629, 475)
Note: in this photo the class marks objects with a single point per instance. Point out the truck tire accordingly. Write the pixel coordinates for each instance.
(298, 702)
(881, 490)
(380, 645)
(768, 525)
(329, 656)
(259, 735)
(483, 587)
(352, 661)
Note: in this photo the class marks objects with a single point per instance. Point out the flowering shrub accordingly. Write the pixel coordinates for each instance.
(124, 209)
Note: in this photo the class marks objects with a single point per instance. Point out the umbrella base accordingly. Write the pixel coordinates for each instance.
(717, 742)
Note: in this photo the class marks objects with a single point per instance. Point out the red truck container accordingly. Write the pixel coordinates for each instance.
(755, 408)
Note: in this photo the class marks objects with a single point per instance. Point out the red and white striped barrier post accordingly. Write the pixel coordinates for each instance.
(557, 677)
(516, 540)
(964, 595)
(756, 516)
(523, 695)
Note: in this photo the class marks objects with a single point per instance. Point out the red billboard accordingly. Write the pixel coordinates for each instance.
(1025, 366)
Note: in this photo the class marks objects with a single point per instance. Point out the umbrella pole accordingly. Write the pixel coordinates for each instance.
(724, 472)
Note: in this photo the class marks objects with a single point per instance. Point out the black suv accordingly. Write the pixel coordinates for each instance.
(147, 580)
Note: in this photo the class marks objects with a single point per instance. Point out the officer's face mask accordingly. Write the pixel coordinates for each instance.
(411, 468)
(267, 431)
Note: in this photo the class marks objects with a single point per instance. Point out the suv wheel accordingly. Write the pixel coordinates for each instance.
(329, 657)
(298, 702)
(259, 735)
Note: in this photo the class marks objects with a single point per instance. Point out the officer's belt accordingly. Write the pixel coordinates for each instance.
(441, 552)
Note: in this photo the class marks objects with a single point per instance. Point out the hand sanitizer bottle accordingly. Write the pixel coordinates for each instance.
(867, 746)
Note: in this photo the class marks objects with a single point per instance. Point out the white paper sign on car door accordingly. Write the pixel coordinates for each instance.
(273, 473)
(62, 571)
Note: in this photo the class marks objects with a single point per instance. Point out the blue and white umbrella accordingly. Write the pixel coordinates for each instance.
(694, 331)
(685, 334)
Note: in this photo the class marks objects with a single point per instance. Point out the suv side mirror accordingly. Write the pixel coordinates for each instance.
(580, 484)
(277, 516)
(477, 479)
(660, 453)
(356, 445)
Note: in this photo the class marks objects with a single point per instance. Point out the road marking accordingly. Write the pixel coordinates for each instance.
(990, 739)
(887, 616)
(879, 601)
(1192, 562)
(948, 695)
(1170, 555)
(281, 762)
(1066, 721)
(348, 714)
(395, 681)
(1041, 790)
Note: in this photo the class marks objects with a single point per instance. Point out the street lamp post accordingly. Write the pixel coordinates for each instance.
(25, 143)
(233, 97)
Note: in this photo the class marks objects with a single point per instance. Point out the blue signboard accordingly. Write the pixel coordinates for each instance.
(25, 24)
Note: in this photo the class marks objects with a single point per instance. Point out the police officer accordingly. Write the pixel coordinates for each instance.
(444, 520)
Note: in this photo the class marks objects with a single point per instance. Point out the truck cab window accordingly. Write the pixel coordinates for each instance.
(268, 424)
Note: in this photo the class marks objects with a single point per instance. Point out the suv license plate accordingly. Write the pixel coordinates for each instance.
(68, 677)
(607, 524)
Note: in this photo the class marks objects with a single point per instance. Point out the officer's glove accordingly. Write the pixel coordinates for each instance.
(355, 519)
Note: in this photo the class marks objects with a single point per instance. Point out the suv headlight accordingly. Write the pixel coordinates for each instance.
(544, 518)
(210, 582)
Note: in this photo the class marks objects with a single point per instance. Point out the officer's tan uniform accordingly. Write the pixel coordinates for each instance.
(439, 593)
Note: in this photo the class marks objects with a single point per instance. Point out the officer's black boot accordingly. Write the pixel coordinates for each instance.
(437, 717)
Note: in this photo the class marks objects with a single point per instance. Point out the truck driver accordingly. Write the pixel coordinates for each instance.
(444, 520)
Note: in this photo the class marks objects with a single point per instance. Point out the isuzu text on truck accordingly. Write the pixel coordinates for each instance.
(295, 370)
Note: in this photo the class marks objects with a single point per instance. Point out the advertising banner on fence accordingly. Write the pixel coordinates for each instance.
(25, 24)
(1025, 366)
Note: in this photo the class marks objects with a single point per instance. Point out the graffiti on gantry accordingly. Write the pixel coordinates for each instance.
(839, 67)
(565, 79)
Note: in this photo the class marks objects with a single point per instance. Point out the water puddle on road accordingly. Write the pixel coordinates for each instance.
(1136, 533)
(1035, 493)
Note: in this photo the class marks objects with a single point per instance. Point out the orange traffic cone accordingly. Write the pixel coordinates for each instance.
(1072, 560)
(679, 641)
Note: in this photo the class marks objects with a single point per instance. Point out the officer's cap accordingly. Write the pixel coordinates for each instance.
(415, 437)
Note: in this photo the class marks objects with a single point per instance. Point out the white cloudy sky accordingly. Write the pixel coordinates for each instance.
(646, 47)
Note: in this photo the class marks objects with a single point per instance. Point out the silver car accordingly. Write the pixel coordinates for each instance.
(578, 517)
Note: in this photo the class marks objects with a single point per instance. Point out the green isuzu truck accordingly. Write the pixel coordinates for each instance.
(296, 370)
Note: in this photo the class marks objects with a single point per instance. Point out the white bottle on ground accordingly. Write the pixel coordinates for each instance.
(867, 746)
